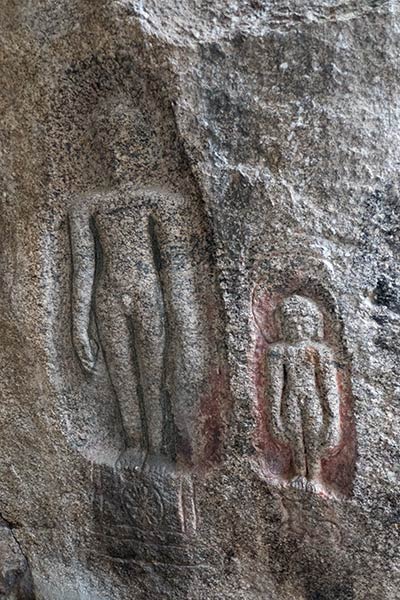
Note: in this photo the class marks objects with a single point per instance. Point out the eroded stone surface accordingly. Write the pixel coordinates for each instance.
(186, 188)
(15, 576)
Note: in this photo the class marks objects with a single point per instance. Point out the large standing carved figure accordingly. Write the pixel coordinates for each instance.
(303, 390)
(141, 281)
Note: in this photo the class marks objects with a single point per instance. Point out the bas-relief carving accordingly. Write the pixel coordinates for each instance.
(147, 518)
(144, 501)
(304, 522)
(305, 434)
(146, 316)
(138, 274)
(302, 398)
(145, 312)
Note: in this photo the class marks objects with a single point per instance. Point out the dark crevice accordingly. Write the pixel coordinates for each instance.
(169, 433)
(135, 355)
(211, 233)
(305, 453)
(284, 388)
(21, 582)
(98, 259)
(322, 394)
(12, 527)
(155, 247)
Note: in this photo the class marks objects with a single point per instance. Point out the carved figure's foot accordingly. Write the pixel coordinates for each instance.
(131, 459)
(299, 483)
(158, 464)
(314, 485)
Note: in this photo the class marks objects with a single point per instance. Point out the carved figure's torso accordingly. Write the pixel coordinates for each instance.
(124, 234)
(302, 399)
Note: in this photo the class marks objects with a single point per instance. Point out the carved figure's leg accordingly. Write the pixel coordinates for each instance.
(148, 332)
(275, 404)
(312, 419)
(295, 434)
(299, 480)
(188, 293)
(118, 350)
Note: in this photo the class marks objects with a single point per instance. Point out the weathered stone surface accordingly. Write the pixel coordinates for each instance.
(199, 300)
(15, 577)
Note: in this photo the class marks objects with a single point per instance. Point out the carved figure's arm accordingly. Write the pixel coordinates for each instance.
(275, 375)
(83, 264)
(330, 398)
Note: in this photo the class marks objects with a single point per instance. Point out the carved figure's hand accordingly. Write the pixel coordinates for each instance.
(87, 350)
(332, 438)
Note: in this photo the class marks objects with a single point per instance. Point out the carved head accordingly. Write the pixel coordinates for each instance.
(299, 318)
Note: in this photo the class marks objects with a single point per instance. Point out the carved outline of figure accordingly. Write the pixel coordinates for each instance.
(154, 288)
(303, 396)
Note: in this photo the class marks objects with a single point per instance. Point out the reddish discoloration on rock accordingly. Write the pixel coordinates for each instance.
(338, 464)
(275, 456)
(214, 408)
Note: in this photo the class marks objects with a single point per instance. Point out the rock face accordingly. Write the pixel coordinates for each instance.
(199, 300)
(15, 577)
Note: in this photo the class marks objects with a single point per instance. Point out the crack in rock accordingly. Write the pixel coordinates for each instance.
(15, 574)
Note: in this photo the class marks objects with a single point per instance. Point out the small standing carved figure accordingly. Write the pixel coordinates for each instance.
(303, 395)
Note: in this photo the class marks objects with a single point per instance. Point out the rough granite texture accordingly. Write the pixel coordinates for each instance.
(199, 299)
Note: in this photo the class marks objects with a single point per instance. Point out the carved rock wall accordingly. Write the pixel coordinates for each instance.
(199, 300)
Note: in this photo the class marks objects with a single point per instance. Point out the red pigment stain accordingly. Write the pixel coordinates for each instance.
(205, 449)
(275, 456)
(338, 466)
(214, 411)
